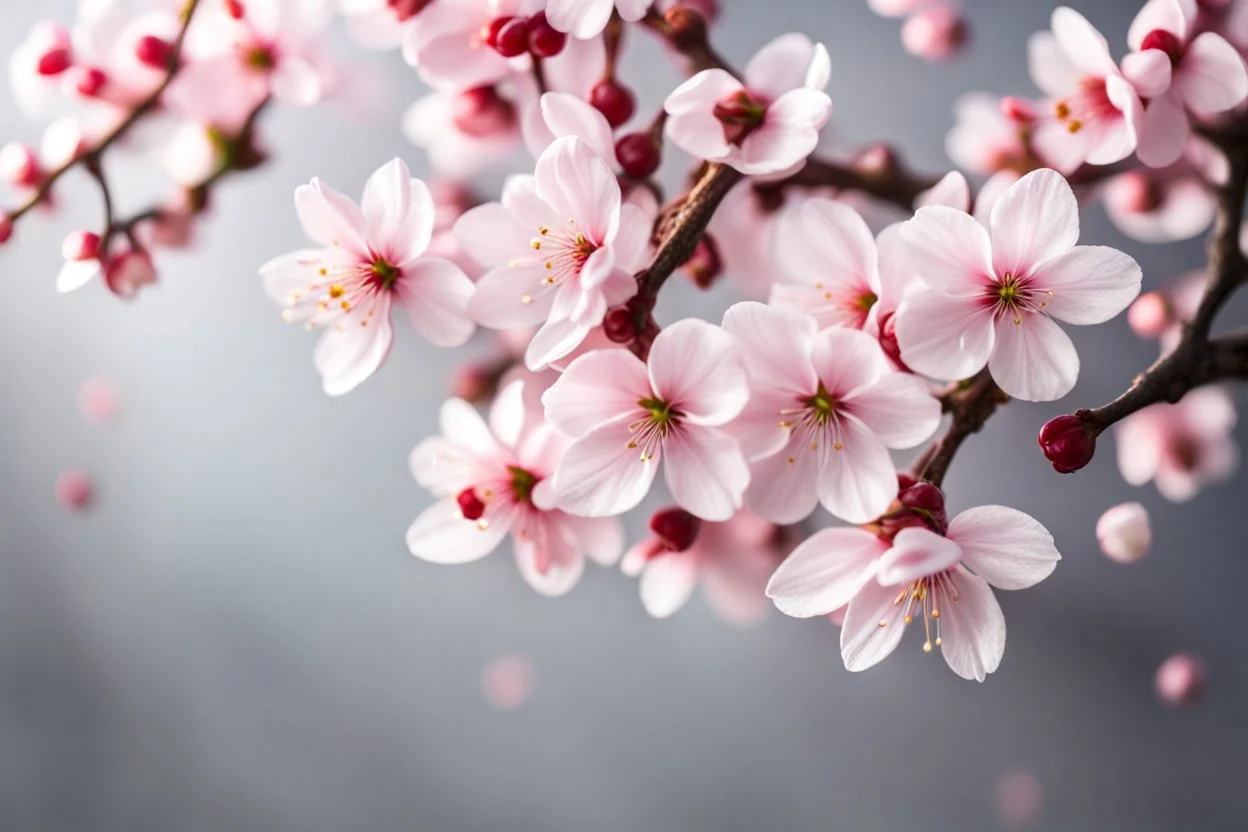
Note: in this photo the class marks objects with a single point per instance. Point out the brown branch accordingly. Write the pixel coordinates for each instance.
(685, 30)
(891, 183)
(970, 403)
(92, 157)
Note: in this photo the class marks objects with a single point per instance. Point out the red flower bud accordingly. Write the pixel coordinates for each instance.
(470, 504)
(1167, 42)
(154, 52)
(90, 81)
(615, 101)
(638, 154)
(677, 528)
(544, 40)
(923, 496)
(1068, 443)
(618, 325)
(55, 61)
(81, 245)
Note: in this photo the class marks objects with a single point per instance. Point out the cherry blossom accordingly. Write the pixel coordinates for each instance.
(372, 256)
(627, 417)
(1180, 680)
(1180, 71)
(493, 480)
(587, 18)
(824, 409)
(1160, 206)
(945, 578)
(767, 124)
(1095, 113)
(1124, 533)
(463, 134)
(446, 42)
(992, 134)
(1180, 447)
(560, 249)
(991, 294)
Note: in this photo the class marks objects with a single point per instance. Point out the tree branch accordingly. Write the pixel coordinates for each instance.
(971, 403)
(891, 183)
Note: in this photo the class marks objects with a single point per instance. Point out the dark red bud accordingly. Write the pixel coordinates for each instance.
(1068, 443)
(904, 481)
(677, 528)
(154, 52)
(482, 112)
(55, 61)
(489, 32)
(923, 496)
(545, 41)
(1167, 42)
(470, 504)
(615, 101)
(618, 325)
(638, 154)
(512, 38)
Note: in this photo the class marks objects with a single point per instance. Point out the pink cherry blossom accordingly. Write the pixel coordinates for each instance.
(627, 417)
(743, 229)
(459, 146)
(992, 134)
(1180, 680)
(447, 45)
(1095, 113)
(1124, 533)
(1160, 206)
(37, 68)
(493, 480)
(371, 256)
(767, 124)
(936, 33)
(991, 294)
(379, 24)
(587, 18)
(731, 560)
(1180, 71)
(563, 114)
(560, 249)
(824, 409)
(74, 490)
(946, 579)
(1180, 447)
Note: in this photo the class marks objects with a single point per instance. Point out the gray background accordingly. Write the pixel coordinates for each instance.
(236, 637)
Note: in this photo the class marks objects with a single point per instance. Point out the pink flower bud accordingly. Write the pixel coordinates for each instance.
(482, 112)
(677, 528)
(90, 81)
(6, 228)
(55, 61)
(1180, 680)
(81, 245)
(154, 52)
(470, 504)
(1017, 109)
(1136, 192)
(97, 400)
(1124, 533)
(1067, 443)
(618, 325)
(1149, 315)
(129, 272)
(74, 489)
(934, 34)
(1164, 41)
(19, 166)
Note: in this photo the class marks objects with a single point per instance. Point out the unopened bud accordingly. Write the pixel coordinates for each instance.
(1017, 109)
(618, 325)
(19, 166)
(1124, 533)
(677, 528)
(638, 154)
(615, 101)
(55, 61)
(81, 245)
(129, 272)
(154, 52)
(1180, 680)
(482, 112)
(1068, 443)
(877, 160)
(90, 81)
(934, 34)
(407, 9)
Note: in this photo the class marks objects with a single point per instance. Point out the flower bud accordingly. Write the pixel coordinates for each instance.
(618, 325)
(1068, 443)
(81, 245)
(482, 112)
(511, 38)
(1124, 533)
(677, 528)
(877, 160)
(1137, 193)
(90, 81)
(1149, 315)
(470, 504)
(614, 100)
(129, 272)
(1017, 109)
(489, 32)
(6, 228)
(1164, 41)
(923, 496)
(19, 166)
(235, 9)
(153, 52)
(638, 154)
(74, 489)
(1180, 680)
(705, 264)
(544, 40)
(55, 61)
(686, 28)
(934, 34)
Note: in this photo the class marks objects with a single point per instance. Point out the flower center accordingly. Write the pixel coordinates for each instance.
(385, 274)
(1088, 105)
(740, 114)
(816, 419)
(1015, 296)
(660, 419)
(259, 57)
(522, 483)
(562, 253)
(926, 597)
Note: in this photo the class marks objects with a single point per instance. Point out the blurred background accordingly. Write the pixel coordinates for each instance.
(235, 636)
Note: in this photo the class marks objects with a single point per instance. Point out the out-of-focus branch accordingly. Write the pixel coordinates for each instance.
(685, 31)
(890, 182)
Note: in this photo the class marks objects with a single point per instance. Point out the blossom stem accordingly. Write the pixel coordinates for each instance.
(92, 156)
(893, 183)
(970, 403)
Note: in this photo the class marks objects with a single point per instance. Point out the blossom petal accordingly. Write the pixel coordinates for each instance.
(667, 582)
(597, 388)
(916, 553)
(775, 346)
(872, 628)
(329, 218)
(1033, 359)
(826, 241)
(1050, 69)
(556, 338)
(1149, 72)
(825, 572)
(1004, 546)
(1212, 77)
(601, 476)
(1082, 43)
(507, 298)
(579, 185)
(491, 235)
(1037, 218)
(899, 408)
(780, 66)
(696, 367)
(790, 132)
(1088, 284)
(462, 425)
(546, 555)
(942, 336)
(1164, 131)
(580, 18)
(706, 472)
(972, 629)
(600, 538)
(1166, 15)
(784, 486)
(441, 534)
(435, 293)
(350, 352)
(387, 198)
(856, 481)
(567, 115)
(948, 250)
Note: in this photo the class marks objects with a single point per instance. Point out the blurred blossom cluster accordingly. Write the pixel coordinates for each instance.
(882, 310)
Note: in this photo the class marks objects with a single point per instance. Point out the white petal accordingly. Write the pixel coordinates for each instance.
(1088, 284)
(705, 471)
(847, 360)
(597, 388)
(1033, 359)
(1004, 546)
(1211, 78)
(856, 481)
(567, 115)
(784, 486)
(667, 582)
(872, 628)
(1037, 218)
(329, 218)
(348, 353)
(899, 408)
(825, 571)
(580, 186)
(916, 553)
(780, 66)
(435, 293)
(948, 250)
(601, 476)
(441, 534)
(972, 629)
(942, 336)
(775, 346)
(695, 367)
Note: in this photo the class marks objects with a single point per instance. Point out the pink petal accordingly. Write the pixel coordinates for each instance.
(348, 353)
(898, 408)
(296, 81)
(1050, 68)
(705, 471)
(546, 559)
(952, 190)
(1166, 15)
(441, 534)
(580, 187)
(601, 476)
(789, 133)
(916, 553)
(632, 242)
(695, 366)
(599, 538)
(1005, 547)
(491, 236)
(567, 115)
(784, 485)
(872, 628)
(948, 250)
(531, 212)
(826, 241)
(1164, 131)
(1033, 359)
(1088, 284)
(597, 388)
(972, 628)
(508, 298)
(1116, 138)
(780, 66)
(667, 582)
(1148, 71)
(1037, 218)
(1212, 78)
(825, 572)
(847, 360)
(1082, 43)
(774, 346)
(701, 93)
(329, 218)
(580, 18)
(944, 337)
(435, 293)
(507, 414)
(856, 481)
(556, 339)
